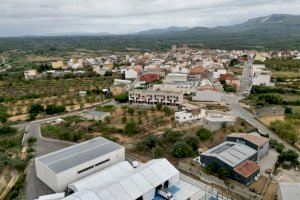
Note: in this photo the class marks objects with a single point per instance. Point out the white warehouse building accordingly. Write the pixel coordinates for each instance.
(124, 182)
(60, 168)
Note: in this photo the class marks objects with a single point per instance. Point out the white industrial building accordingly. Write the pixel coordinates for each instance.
(288, 190)
(62, 167)
(123, 182)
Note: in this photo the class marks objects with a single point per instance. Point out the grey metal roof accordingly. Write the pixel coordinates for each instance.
(69, 157)
(289, 190)
(231, 153)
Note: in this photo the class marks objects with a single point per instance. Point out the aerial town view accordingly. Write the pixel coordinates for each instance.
(150, 100)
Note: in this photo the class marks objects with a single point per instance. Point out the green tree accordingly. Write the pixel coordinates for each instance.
(171, 136)
(192, 141)
(157, 151)
(122, 97)
(36, 108)
(130, 111)
(7, 130)
(204, 134)
(3, 114)
(131, 128)
(159, 106)
(182, 150)
(167, 110)
(223, 172)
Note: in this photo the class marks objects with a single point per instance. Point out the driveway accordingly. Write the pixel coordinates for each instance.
(268, 162)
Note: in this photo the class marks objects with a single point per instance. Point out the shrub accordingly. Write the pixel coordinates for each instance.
(182, 150)
(289, 155)
(131, 128)
(167, 110)
(54, 109)
(3, 114)
(171, 136)
(130, 111)
(36, 108)
(158, 151)
(204, 134)
(148, 143)
(192, 141)
(7, 130)
(159, 106)
(122, 97)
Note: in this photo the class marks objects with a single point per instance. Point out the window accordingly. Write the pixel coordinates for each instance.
(102, 162)
(85, 169)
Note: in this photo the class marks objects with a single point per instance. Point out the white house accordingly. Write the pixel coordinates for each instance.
(189, 115)
(216, 75)
(62, 167)
(130, 74)
(262, 78)
(30, 74)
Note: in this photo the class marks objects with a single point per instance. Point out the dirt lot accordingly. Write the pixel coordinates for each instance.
(287, 175)
(259, 185)
(268, 120)
(271, 191)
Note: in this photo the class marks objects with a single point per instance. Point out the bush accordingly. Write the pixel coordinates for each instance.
(130, 111)
(182, 150)
(223, 173)
(54, 109)
(131, 128)
(36, 108)
(31, 140)
(3, 114)
(7, 130)
(204, 134)
(158, 151)
(108, 73)
(167, 110)
(171, 136)
(289, 155)
(122, 97)
(148, 143)
(286, 130)
(192, 141)
(159, 106)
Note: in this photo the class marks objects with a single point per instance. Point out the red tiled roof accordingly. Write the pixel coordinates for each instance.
(148, 78)
(197, 70)
(246, 168)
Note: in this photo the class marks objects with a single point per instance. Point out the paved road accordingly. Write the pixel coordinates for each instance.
(237, 109)
(245, 80)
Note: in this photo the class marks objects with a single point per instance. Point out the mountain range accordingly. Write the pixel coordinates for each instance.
(277, 31)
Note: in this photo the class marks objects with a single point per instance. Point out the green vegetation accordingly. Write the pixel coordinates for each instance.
(106, 108)
(204, 134)
(55, 109)
(3, 114)
(285, 130)
(131, 128)
(289, 155)
(182, 150)
(122, 98)
(221, 172)
(278, 146)
(280, 64)
(7, 130)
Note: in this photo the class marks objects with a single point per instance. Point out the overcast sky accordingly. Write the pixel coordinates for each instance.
(40, 17)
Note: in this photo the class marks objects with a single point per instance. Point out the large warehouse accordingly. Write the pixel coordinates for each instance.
(62, 167)
(236, 157)
(122, 181)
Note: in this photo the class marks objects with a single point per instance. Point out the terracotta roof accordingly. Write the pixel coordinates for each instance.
(148, 78)
(227, 76)
(197, 70)
(258, 140)
(207, 87)
(246, 168)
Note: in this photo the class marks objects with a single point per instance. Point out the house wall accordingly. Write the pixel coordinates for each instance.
(59, 182)
(46, 175)
(185, 116)
(244, 180)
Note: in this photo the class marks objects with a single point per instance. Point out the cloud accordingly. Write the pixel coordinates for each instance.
(35, 17)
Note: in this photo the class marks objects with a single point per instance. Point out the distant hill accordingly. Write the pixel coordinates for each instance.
(278, 32)
(171, 29)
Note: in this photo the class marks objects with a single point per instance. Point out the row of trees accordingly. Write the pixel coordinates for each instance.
(36, 109)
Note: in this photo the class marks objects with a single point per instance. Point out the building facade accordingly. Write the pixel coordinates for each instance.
(153, 97)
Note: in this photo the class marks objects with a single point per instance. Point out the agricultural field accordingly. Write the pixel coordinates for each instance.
(18, 96)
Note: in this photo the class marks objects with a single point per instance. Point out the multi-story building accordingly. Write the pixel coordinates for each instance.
(152, 97)
(175, 77)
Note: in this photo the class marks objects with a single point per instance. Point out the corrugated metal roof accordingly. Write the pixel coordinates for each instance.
(136, 182)
(231, 153)
(289, 190)
(67, 158)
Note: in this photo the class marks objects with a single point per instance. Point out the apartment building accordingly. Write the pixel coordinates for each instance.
(152, 97)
